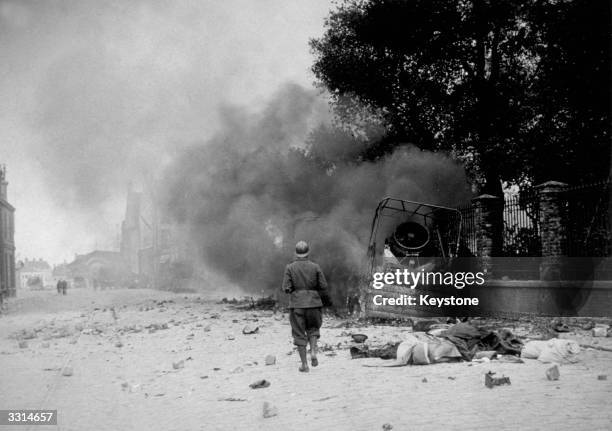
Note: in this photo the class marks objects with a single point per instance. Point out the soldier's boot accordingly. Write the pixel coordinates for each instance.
(302, 351)
(313, 351)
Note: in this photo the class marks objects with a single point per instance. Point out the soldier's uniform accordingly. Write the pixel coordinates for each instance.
(305, 283)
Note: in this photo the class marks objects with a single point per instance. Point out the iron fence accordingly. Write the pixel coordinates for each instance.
(588, 217)
(467, 242)
(589, 229)
(521, 233)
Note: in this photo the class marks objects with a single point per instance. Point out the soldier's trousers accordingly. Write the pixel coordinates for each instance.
(305, 323)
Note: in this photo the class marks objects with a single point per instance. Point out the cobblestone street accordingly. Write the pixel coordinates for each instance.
(124, 377)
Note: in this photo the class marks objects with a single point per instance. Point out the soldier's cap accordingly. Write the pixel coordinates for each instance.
(301, 249)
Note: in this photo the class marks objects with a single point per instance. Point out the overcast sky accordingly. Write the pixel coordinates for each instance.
(95, 93)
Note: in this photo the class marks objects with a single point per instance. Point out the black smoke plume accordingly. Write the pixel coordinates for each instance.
(247, 195)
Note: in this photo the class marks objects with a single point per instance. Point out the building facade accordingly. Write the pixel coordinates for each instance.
(152, 245)
(35, 274)
(7, 240)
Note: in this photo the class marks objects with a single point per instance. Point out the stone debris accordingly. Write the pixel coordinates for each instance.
(387, 427)
(23, 344)
(553, 373)
(259, 384)
(270, 360)
(587, 326)
(424, 380)
(119, 344)
(230, 337)
(269, 410)
(153, 327)
(131, 328)
(359, 338)
(602, 377)
(67, 372)
(237, 370)
(248, 329)
(491, 381)
(600, 330)
(178, 365)
(25, 334)
(559, 326)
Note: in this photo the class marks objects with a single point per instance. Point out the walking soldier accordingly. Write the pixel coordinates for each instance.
(305, 283)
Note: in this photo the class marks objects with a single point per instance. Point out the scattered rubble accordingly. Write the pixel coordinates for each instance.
(587, 326)
(559, 326)
(269, 410)
(67, 372)
(25, 334)
(248, 329)
(491, 381)
(553, 373)
(602, 377)
(359, 338)
(259, 384)
(250, 303)
(270, 360)
(23, 344)
(153, 327)
(178, 365)
(600, 330)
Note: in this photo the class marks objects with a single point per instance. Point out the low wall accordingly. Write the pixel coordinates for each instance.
(499, 298)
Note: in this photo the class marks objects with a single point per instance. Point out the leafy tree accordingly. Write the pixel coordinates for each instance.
(570, 135)
(492, 81)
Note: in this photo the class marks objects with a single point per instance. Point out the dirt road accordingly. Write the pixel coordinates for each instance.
(151, 360)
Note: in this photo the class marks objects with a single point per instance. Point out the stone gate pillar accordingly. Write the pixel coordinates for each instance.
(553, 229)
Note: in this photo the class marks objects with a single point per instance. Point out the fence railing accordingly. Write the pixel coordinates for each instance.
(589, 230)
(588, 218)
(521, 233)
(468, 245)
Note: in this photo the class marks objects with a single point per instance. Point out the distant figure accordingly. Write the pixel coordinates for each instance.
(64, 286)
(305, 283)
(59, 286)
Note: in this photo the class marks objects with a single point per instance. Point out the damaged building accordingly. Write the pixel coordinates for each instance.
(152, 246)
(7, 240)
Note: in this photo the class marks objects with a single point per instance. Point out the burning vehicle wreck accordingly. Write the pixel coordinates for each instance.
(413, 235)
(413, 248)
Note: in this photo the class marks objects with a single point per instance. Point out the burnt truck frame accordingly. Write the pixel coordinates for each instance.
(409, 235)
